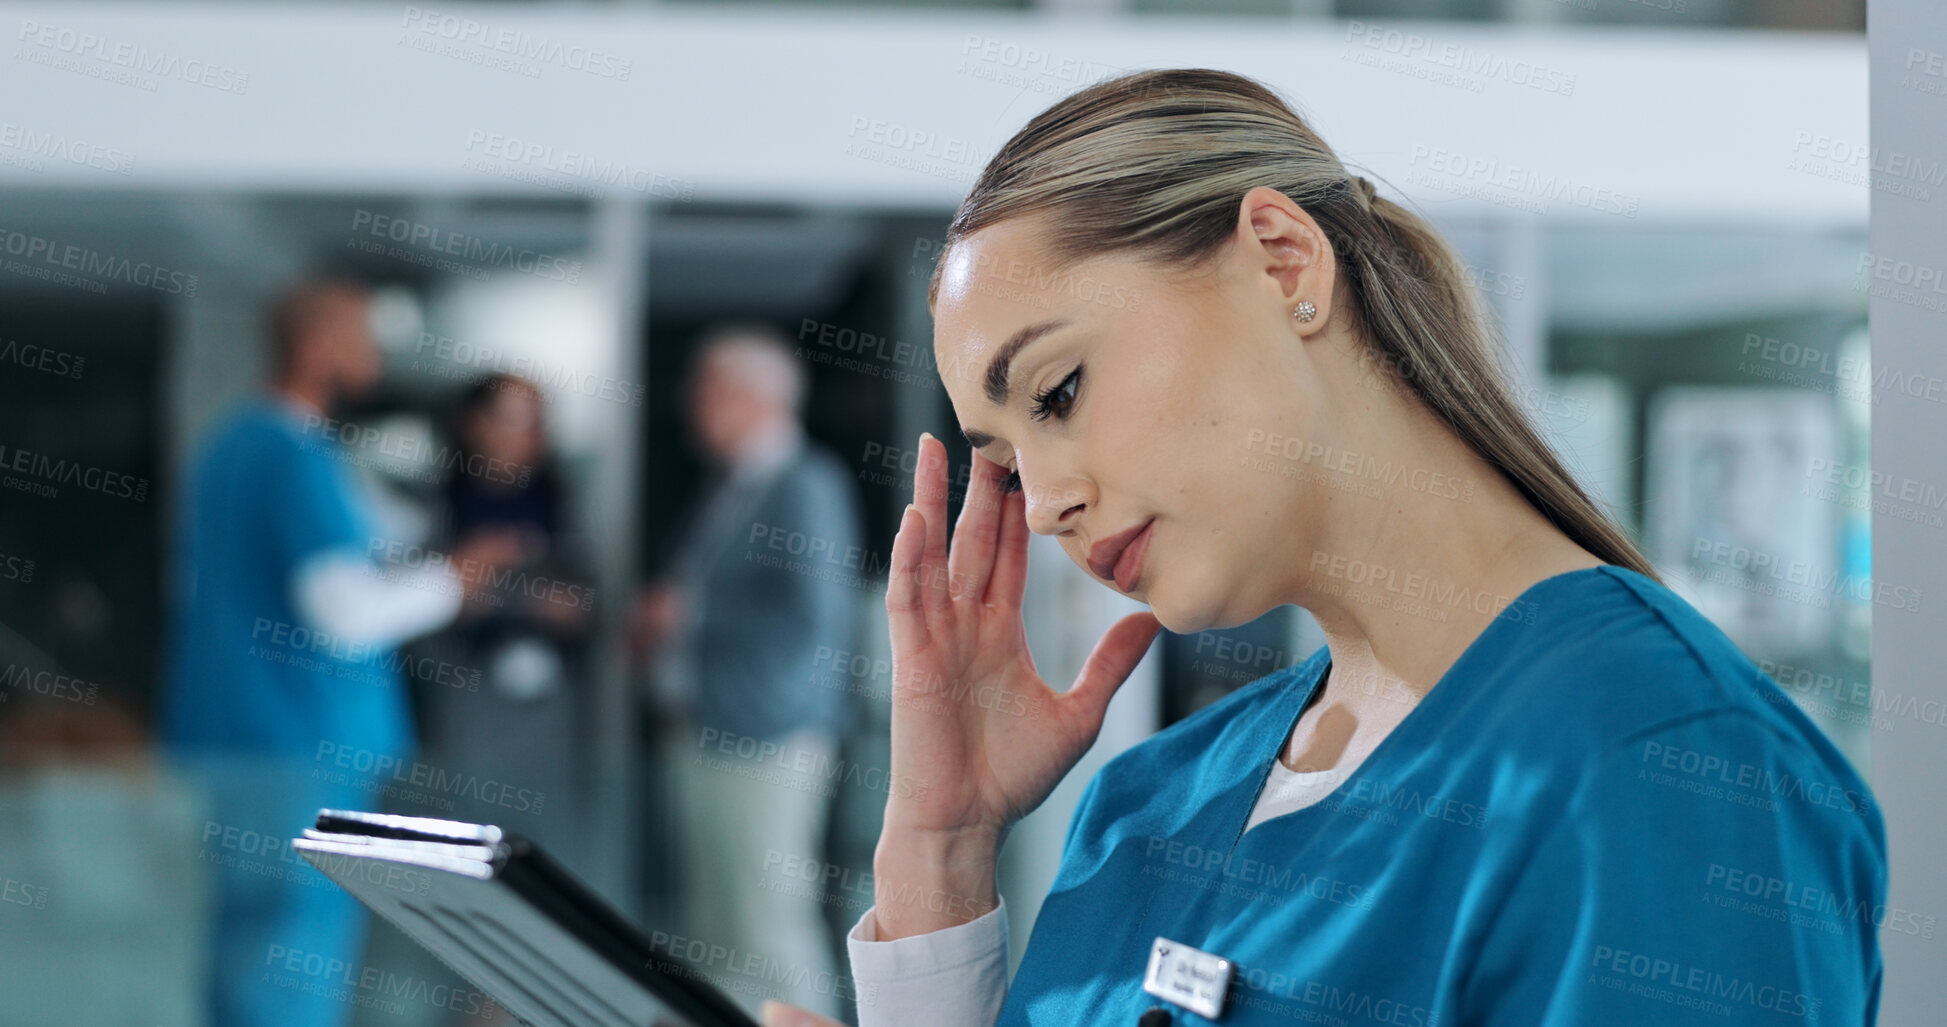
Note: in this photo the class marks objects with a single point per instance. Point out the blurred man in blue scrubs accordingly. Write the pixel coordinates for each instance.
(284, 693)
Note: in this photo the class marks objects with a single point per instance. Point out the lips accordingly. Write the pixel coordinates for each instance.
(1105, 557)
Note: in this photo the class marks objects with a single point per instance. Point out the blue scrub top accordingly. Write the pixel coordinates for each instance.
(1603, 813)
(249, 675)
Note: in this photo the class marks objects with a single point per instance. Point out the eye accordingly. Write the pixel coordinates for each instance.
(1044, 402)
(1057, 401)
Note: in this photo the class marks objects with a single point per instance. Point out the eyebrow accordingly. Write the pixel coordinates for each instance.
(996, 384)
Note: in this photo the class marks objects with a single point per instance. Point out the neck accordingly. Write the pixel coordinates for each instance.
(308, 397)
(1401, 585)
(764, 446)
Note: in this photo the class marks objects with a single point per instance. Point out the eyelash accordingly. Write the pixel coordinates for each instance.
(1041, 409)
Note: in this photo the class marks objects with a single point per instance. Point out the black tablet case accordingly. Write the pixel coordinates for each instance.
(511, 920)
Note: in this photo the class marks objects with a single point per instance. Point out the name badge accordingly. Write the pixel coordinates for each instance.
(1189, 977)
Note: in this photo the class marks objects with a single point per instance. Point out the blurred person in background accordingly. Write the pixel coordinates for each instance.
(509, 709)
(736, 627)
(283, 694)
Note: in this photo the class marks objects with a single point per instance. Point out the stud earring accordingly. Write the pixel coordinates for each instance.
(1305, 311)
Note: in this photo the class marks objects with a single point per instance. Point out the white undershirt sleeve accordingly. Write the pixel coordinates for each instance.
(344, 594)
(952, 977)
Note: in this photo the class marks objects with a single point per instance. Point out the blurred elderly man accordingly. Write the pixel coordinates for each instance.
(741, 624)
(283, 692)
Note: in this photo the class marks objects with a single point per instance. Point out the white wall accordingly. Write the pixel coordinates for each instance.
(795, 104)
(1910, 444)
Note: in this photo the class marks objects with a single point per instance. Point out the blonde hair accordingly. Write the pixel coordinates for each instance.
(1155, 163)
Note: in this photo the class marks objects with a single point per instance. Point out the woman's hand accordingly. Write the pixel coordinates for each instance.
(657, 611)
(979, 740)
(778, 1014)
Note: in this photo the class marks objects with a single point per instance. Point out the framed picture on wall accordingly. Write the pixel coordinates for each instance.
(1727, 518)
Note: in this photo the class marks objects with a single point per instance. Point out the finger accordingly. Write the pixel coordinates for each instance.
(929, 496)
(772, 1013)
(905, 616)
(970, 563)
(1009, 582)
(1108, 665)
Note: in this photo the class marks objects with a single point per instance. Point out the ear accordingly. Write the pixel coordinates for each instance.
(1282, 248)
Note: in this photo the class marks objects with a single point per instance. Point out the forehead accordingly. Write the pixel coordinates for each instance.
(510, 396)
(992, 284)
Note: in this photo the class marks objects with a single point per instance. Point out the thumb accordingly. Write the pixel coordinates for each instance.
(773, 1013)
(1108, 665)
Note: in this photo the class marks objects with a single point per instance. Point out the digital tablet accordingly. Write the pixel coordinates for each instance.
(508, 918)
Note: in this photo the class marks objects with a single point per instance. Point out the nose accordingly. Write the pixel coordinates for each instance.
(1055, 506)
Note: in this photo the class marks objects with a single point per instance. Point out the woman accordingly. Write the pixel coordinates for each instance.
(511, 705)
(1521, 783)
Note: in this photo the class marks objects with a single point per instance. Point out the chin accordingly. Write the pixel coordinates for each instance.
(1173, 617)
(1215, 617)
